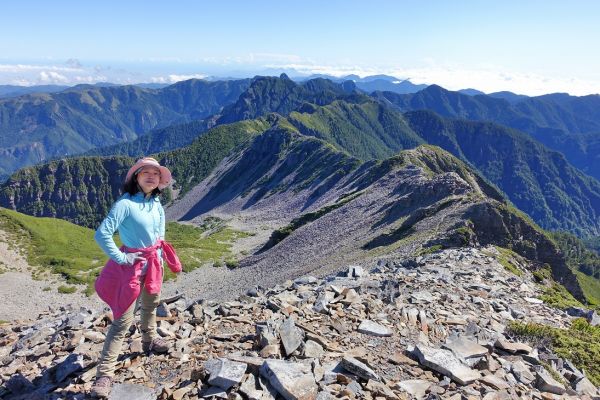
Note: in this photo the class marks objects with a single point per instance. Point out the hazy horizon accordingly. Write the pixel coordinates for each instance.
(531, 48)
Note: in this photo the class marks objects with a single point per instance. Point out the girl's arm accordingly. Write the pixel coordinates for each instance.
(161, 211)
(108, 227)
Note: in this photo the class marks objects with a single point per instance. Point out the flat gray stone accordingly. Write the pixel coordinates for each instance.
(34, 338)
(83, 319)
(593, 318)
(417, 388)
(163, 310)
(369, 327)
(446, 363)
(421, 297)
(212, 392)
(512, 348)
(522, 372)
(128, 391)
(293, 381)
(291, 336)
(495, 382)
(584, 386)
(464, 348)
(71, 364)
(546, 383)
(248, 388)
(313, 349)
(288, 298)
(224, 373)
(358, 368)
(355, 271)
(533, 300)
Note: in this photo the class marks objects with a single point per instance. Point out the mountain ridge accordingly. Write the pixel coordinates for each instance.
(567, 124)
(37, 127)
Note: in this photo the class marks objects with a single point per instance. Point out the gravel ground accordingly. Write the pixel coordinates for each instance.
(25, 298)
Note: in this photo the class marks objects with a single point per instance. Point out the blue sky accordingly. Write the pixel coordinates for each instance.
(529, 47)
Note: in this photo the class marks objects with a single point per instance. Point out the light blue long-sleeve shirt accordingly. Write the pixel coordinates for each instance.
(140, 222)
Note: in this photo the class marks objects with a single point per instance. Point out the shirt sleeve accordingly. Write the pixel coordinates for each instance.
(108, 227)
(161, 226)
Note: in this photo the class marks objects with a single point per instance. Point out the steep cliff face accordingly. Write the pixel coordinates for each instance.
(496, 223)
(80, 190)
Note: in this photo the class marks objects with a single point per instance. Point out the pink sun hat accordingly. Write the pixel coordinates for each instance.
(165, 174)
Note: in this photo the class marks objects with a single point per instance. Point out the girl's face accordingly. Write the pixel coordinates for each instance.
(148, 179)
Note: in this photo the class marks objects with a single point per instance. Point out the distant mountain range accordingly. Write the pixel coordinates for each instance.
(373, 83)
(15, 91)
(538, 181)
(7, 91)
(38, 127)
(567, 124)
(351, 174)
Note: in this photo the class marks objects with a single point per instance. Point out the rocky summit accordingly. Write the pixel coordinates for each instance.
(434, 326)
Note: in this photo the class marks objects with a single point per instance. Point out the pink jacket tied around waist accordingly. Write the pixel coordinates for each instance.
(120, 285)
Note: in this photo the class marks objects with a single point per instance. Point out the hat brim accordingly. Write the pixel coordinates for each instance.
(165, 174)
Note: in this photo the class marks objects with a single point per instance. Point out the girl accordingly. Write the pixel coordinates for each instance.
(134, 271)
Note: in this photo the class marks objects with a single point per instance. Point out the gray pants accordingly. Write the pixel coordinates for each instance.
(118, 329)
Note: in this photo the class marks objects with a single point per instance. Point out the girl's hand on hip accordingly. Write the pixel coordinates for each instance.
(132, 258)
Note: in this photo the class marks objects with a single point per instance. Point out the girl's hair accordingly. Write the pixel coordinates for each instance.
(131, 186)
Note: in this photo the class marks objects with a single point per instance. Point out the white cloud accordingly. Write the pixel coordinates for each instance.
(175, 78)
(337, 71)
(19, 68)
(495, 80)
(487, 79)
(90, 78)
(46, 77)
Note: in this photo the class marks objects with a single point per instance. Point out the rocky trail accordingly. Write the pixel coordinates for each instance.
(435, 326)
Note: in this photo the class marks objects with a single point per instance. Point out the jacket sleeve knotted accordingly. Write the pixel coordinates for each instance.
(170, 257)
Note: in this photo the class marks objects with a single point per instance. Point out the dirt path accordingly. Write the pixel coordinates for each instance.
(21, 296)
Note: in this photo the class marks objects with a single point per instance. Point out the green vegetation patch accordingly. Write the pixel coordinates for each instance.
(580, 343)
(198, 246)
(60, 247)
(65, 289)
(543, 274)
(558, 296)
(429, 250)
(590, 287)
(506, 258)
(583, 261)
(55, 245)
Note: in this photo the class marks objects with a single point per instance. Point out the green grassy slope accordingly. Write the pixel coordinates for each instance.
(54, 246)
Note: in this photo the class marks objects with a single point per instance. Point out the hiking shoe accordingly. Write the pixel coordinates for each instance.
(102, 387)
(157, 345)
